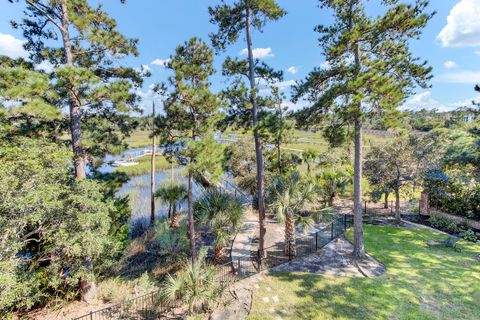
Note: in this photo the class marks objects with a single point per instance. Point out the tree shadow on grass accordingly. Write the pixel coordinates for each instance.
(420, 283)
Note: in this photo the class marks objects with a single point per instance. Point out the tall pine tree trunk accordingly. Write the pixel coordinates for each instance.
(191, 227)
(385, 204)
(397, 205)
(358, 244)
(152, 170)
(279, 158)
(258, 146)
(87, 285)
(74, 102)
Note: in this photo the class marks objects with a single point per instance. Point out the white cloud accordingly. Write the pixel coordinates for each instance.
(450, 64)
(285, 84)
(11, 46)
(160, 62)
(259, 53)
(292, 70)
(295, 106)
(325, 65)
(45, 66)
(148, 96)
(463, 77)
(463, 25)
(425, 100)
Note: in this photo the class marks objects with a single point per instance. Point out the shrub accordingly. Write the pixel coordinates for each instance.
(444, 223)
(195, 285)
(171, 243)
(117, 290)
(469, 235)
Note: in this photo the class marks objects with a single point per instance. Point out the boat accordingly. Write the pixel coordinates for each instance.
(124, 163)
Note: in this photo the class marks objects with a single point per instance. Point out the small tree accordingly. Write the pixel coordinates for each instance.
(309, 156)
(287, 196)
(172, 194)
(276, 128)
(399, 164)
(332, 182)
(223, 213)
(378, 172)
(190, 112)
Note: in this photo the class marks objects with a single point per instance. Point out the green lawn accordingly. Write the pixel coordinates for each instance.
(420, 283)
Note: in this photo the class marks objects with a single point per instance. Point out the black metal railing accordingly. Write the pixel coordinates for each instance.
(242, 267)
(146, 307)
(150, 306)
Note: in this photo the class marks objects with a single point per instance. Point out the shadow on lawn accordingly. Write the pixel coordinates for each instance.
(420, 283)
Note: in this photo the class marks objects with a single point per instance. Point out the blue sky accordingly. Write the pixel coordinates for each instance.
(451, 42)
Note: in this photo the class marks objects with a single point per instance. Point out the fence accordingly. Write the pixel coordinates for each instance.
(150, 306)
(242, 267)
(145, 307)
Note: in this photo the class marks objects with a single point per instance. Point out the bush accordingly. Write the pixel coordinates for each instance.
(469, 235)
(196, 286)
(117, 290)
(444, 223)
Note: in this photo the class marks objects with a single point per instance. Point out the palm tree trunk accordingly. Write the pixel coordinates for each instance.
(331, 198)
(290, 247)
(258, 146)
(174, 220)
(191, 227)
(218, 253)
(358, 244)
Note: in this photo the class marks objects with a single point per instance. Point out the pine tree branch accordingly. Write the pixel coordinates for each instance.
(44, 13)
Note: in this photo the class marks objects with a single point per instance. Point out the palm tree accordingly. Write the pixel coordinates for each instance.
(308, 157)
(223, 213)
(196, 285)
(288, 195)
(172, 194)
(332, 183)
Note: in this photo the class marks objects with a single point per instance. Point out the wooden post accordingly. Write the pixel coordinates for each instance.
(152, 170)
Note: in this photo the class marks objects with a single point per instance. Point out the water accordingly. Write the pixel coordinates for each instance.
(138, 187)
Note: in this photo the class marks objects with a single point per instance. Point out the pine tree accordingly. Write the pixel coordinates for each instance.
(232, 20)
(276, 128)
(82, 43)
(191, 110)
(31, 109)
(371, 72)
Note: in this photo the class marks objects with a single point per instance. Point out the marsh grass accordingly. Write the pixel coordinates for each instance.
(143, 166)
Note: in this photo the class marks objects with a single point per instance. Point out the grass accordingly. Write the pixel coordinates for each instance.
(142, 139)
(139, 139)
(143, 166)
(420, 283)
